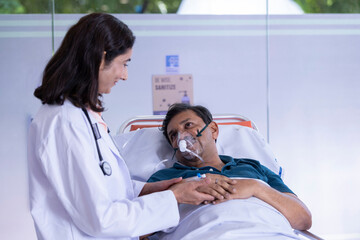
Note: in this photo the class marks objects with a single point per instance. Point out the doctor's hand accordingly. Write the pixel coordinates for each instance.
(221, 187)
(158, 186)
(186, 192)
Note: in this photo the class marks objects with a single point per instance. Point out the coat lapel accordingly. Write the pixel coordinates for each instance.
(110, 143)
(105, 136)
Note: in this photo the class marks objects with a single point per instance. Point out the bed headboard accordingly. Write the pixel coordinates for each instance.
(148, 121)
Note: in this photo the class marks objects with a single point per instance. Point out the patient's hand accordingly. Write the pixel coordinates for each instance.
(242, 189)
(220, 187)
(245, 188)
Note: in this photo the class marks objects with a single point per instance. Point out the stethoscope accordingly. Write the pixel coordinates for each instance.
(104, 165)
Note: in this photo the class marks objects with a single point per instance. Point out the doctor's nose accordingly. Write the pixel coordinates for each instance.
(124, 75)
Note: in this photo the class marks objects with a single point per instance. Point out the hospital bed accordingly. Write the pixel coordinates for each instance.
(145, 150)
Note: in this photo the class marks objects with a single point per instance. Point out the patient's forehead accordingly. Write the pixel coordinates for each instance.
(183, 117)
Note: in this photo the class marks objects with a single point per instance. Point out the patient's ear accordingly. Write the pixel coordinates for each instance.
(214, 129)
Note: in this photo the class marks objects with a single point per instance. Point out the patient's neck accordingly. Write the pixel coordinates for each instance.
(212, 161)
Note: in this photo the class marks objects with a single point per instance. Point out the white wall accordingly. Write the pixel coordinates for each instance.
(314, 103)
(315, 114)
(22, 60)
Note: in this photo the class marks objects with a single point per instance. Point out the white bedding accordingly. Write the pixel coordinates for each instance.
(235, 219)
(144, 150)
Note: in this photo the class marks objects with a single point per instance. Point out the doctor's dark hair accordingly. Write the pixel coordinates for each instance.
(72, 73)
(177, 108)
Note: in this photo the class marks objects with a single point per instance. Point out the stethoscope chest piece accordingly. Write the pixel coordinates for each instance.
(106, 168)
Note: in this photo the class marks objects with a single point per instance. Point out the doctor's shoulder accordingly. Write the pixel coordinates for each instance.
(52, 117)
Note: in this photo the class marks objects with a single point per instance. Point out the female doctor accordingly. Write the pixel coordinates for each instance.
(80, 187)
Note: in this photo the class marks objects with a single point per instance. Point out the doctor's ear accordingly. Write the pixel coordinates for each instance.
(102, 63)
(214, 129)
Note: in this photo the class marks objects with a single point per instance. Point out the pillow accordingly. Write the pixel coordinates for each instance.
(146, 151)
(245, 142)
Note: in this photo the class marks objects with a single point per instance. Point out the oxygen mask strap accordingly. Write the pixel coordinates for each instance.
(199, 132)
(175, 149)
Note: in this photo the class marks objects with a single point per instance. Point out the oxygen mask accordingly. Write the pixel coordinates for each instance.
(186, 143)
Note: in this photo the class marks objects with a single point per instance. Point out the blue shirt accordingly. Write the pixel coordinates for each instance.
(234, 167)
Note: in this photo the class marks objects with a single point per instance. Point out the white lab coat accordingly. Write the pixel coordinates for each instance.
(70, 198)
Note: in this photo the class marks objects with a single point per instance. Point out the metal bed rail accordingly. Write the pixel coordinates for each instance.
(156, 121)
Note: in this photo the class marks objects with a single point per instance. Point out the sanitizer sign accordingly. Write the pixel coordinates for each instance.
(170, 89)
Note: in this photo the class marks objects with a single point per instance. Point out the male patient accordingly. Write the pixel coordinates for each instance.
(192, 133)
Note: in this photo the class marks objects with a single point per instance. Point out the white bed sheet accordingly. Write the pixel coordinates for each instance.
(238, 219)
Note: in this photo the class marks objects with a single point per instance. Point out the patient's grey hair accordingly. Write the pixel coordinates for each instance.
(177, 108)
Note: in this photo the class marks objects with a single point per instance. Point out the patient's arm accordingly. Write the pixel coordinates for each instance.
(288, 204)
(158, 186)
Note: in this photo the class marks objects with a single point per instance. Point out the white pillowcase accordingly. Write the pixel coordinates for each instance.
(146, 151)
(244, 142)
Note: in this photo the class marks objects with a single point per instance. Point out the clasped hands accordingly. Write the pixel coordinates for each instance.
(213, 189)
(224, 188)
